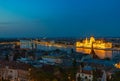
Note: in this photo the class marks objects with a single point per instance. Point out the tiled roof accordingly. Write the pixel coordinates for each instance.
(14, 65)
(87, 72)
(88, 68)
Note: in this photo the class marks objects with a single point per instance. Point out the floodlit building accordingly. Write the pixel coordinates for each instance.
(88, 73)
(117, 65)
(85, 74)
(27, 44)
(98, 44)
(52, 59)
(14, 71)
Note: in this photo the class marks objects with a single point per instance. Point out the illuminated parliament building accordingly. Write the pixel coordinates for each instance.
(97, 44)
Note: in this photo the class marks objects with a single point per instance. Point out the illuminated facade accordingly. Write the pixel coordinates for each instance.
(98, 44)
(117, 65)
(27, 44)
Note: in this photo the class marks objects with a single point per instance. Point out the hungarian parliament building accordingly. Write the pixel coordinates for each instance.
(97, 44)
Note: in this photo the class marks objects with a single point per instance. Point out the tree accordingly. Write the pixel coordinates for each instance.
(74, 68)
(116, 76)
(40, 75)
(95, 75)
(6, 58)
(60, 74)
(74, 63)
(16, 56)
(79, 78)
(107, 58)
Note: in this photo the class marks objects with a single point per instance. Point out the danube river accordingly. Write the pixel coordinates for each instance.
(100, 53)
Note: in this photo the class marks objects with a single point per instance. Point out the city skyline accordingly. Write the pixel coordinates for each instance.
(61, 18)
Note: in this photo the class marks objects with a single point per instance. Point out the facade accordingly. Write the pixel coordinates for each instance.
(23, 75)
(85, 74)
(44, 45)
(34, 44)
(98, 44)
(52, 59)
(9, 74)
(11, 71)
(49, 46)
(27, 44)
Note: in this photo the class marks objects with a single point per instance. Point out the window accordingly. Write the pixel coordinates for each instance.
(82, 74)
(86, 77)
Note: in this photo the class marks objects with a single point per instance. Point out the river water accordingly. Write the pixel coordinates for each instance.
(100, 53)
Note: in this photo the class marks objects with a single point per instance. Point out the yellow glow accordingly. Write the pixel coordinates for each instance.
(100, 53)
(92, 39)
(50, 44)
(99, 44)
(117, 65)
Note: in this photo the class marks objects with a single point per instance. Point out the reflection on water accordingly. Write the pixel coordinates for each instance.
(100, 53)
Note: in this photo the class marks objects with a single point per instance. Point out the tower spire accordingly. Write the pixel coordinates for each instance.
(94, 56)
(92, 49)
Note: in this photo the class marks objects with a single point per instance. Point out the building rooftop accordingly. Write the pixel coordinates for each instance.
(88, 68)
(101, 62)
(14, 65)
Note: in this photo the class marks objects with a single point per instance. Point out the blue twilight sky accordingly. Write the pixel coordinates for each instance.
(59, 18)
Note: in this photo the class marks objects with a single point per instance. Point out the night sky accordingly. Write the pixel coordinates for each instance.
(59, 18)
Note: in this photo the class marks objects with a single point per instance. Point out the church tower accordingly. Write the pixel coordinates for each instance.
(93, 54)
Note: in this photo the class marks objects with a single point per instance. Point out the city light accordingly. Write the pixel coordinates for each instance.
(98, 44)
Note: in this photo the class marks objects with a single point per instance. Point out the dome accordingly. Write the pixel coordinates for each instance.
(92, 39)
